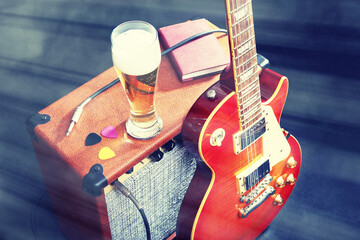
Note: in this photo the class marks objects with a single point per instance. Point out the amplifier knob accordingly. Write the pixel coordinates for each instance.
(156, 156)
(280, 182)
(290, 179)
(278, 200)
(169, 145)
(291, 163)
(130, 171)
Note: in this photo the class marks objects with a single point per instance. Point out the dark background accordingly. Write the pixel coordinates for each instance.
(50, 47)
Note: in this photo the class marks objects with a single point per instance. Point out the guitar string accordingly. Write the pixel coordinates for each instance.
(253, 145)
(236, 76)
(249, 135)
(247, 139)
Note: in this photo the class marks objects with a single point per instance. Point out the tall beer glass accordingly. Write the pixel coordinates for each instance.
(136, 55)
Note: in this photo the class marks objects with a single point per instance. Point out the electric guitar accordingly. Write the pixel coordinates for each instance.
(247, 165)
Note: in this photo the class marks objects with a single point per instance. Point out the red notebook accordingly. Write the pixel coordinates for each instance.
(201, 57)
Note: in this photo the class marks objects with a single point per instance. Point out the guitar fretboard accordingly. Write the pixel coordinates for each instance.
(244, 57)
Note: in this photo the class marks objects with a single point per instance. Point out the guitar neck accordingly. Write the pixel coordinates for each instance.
(244, 60)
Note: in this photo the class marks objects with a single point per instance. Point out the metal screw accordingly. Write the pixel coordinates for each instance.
(211, 94)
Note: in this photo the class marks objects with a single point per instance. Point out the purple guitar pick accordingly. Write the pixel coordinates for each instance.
(109, 132)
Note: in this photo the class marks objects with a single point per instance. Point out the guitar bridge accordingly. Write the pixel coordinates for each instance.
(244, 212)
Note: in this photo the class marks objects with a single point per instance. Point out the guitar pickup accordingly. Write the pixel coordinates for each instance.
(258, 189)
(243, 139)
(249, 178)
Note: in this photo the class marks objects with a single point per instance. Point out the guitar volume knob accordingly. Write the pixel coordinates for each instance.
(278, 200)
(280, 182)
(291, 163)
(290, 179)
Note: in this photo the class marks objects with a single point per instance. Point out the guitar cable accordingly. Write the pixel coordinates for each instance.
(126, 192)
(79, 109)
(199, 35)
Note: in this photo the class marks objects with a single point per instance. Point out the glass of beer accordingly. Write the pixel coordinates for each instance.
(136, 56)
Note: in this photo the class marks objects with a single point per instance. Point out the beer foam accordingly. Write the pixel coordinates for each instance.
(136, 52)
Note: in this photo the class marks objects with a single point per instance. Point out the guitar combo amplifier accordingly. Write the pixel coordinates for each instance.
(81, 185)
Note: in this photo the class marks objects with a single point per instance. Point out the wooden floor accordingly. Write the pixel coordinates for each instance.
(49, 48)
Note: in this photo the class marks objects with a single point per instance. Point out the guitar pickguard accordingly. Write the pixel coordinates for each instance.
(275, 149)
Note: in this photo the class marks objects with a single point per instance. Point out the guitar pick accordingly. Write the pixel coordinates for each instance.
(92, 139)
(106, 153)
(109, 132)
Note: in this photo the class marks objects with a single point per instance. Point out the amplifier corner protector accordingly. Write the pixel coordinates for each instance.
(35, 120)
(94, 181)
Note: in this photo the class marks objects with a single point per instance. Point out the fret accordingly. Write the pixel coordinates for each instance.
(243, 84)
(255, 98)
(252, 119)
(240, 48)
(248, 58)
(244, 67)
(247, 34)
(241, 68)
(245, 48)
(247, 82)
(240, 15)
(240, 79)
(251, 39)
(250, 100)
(253, 111)
(250, 88)
(242, 30)
(244, 24)
(250, 108)
(242, 42)
(258, 115)
(247, 96)
(248, 73)
(248, 54)
(236, 5)
(248, 91)
(244, 35)
(244, 98)
(248, 121)
(252, 65)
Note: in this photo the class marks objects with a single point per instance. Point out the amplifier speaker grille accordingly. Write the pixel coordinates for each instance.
(160, 188)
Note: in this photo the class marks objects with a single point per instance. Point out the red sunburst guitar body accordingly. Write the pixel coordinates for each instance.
(212, 208)
(247, 165)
